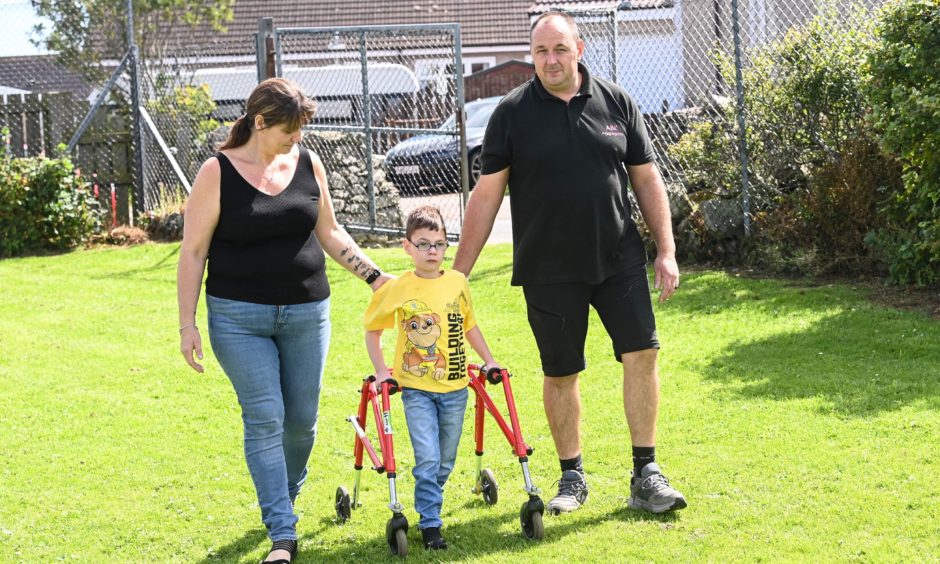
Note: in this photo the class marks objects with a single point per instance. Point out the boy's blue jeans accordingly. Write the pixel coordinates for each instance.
(274, 357)
(435, 421)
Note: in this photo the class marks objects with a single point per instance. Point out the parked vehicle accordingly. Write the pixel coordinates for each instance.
(432, 160)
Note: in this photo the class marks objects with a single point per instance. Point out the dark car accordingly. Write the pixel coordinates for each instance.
(432, 160)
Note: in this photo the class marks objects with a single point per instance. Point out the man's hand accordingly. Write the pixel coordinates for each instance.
(666, 271)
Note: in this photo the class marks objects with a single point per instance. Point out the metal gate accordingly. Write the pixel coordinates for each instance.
(390, 118)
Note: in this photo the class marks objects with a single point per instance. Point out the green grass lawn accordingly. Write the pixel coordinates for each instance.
(801, 422)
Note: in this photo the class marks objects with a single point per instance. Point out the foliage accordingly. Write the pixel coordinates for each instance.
(165, 221)
(85, 32)
(905, 93)
(707, 155)
(815, 169)
(44, 205)
(190, 108)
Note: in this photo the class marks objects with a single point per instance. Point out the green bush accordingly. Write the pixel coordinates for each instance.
(44, 205)
(816, 170)
(904, 90)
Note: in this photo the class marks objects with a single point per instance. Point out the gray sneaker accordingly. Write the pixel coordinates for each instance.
(651, 491)
(572, 493)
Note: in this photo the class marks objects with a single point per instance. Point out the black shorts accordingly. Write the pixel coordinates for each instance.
(558, 315)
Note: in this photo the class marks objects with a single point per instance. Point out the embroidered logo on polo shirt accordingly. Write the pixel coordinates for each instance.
(613, 130)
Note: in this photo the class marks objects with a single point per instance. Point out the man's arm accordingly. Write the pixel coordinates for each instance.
(651, 196)
(478, 220)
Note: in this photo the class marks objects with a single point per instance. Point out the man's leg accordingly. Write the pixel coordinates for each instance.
(649, 488)
(558, 316)
(641, 395)
(561, 397)
(624, 305)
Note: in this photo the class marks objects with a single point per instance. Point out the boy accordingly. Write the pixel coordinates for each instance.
(432, 311)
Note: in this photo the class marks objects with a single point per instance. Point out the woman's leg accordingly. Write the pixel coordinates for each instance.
(241, 337)
(302, 336)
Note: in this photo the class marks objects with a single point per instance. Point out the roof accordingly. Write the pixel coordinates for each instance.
(39, 73)
(482, 22)
(539, 7)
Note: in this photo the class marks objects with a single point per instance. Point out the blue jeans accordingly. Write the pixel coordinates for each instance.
(435, 421)
(274, 357)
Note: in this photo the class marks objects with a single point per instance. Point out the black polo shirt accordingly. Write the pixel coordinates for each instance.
(571, 217)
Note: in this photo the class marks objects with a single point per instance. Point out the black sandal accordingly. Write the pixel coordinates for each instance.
(289, 545)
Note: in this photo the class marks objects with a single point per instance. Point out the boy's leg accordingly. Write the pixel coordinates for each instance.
(451, 409)
(421, 415)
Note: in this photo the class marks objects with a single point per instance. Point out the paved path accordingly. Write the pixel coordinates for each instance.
(449, 204)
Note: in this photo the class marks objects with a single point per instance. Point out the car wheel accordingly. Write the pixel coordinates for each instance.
(476, 166)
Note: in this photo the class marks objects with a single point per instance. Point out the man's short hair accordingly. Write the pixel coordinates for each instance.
(424, 217)
(554, 13)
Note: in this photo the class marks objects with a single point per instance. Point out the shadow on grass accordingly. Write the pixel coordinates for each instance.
(236, 549)
(478, 537)
(858, 360)
(160, 264)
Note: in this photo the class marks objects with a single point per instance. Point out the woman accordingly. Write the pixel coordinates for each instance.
(260, 214)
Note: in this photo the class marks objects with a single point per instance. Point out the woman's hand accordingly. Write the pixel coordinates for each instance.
(382, 279)
(191, 342)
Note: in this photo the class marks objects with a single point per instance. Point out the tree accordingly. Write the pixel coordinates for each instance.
(86, 32)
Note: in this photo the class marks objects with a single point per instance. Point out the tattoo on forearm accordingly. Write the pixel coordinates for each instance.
(357, 263)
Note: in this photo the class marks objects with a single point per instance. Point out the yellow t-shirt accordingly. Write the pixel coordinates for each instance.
(432, 317)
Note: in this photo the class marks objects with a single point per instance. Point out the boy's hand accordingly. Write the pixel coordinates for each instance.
(383, 375)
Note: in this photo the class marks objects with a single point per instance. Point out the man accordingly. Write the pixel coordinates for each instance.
(567, 144)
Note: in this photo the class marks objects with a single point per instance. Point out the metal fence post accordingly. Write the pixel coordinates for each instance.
(612, 15)
(264, 48)
(140, 157)
(367, 129)
(742, 129)
(461, 125)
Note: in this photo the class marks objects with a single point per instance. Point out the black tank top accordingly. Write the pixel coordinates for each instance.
(264, 249)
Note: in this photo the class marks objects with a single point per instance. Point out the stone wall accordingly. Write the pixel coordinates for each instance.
(347, 175)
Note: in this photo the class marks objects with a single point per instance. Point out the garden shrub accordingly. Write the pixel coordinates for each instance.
(816, 171)
(904, 90)
(44, 205)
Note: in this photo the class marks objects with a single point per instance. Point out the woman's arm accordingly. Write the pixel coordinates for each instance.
(200, 219)
(336, 242)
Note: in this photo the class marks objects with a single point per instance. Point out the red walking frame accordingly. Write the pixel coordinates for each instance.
(378, 396)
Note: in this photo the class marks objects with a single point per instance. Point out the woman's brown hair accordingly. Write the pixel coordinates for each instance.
(280, 102)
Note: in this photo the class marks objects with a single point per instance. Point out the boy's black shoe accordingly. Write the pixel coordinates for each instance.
(432, 539)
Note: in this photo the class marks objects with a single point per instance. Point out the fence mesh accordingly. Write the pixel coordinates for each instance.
(738, 116)
(45, 96)
(704, 72)
(386, 124)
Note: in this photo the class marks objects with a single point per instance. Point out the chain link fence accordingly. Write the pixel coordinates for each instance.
(386, 126)
(707, 75)
(45, 97)
(726, 87)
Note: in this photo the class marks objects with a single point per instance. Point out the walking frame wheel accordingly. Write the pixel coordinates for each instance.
(530, 517)
(343, 504)
(396, 534)
(488, 487)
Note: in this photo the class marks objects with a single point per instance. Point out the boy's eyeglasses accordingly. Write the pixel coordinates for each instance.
(424, 246)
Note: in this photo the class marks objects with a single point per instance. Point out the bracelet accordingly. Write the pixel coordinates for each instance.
(374, 276)
(184, 327)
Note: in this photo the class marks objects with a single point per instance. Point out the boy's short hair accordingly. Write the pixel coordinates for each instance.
(425, 217)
